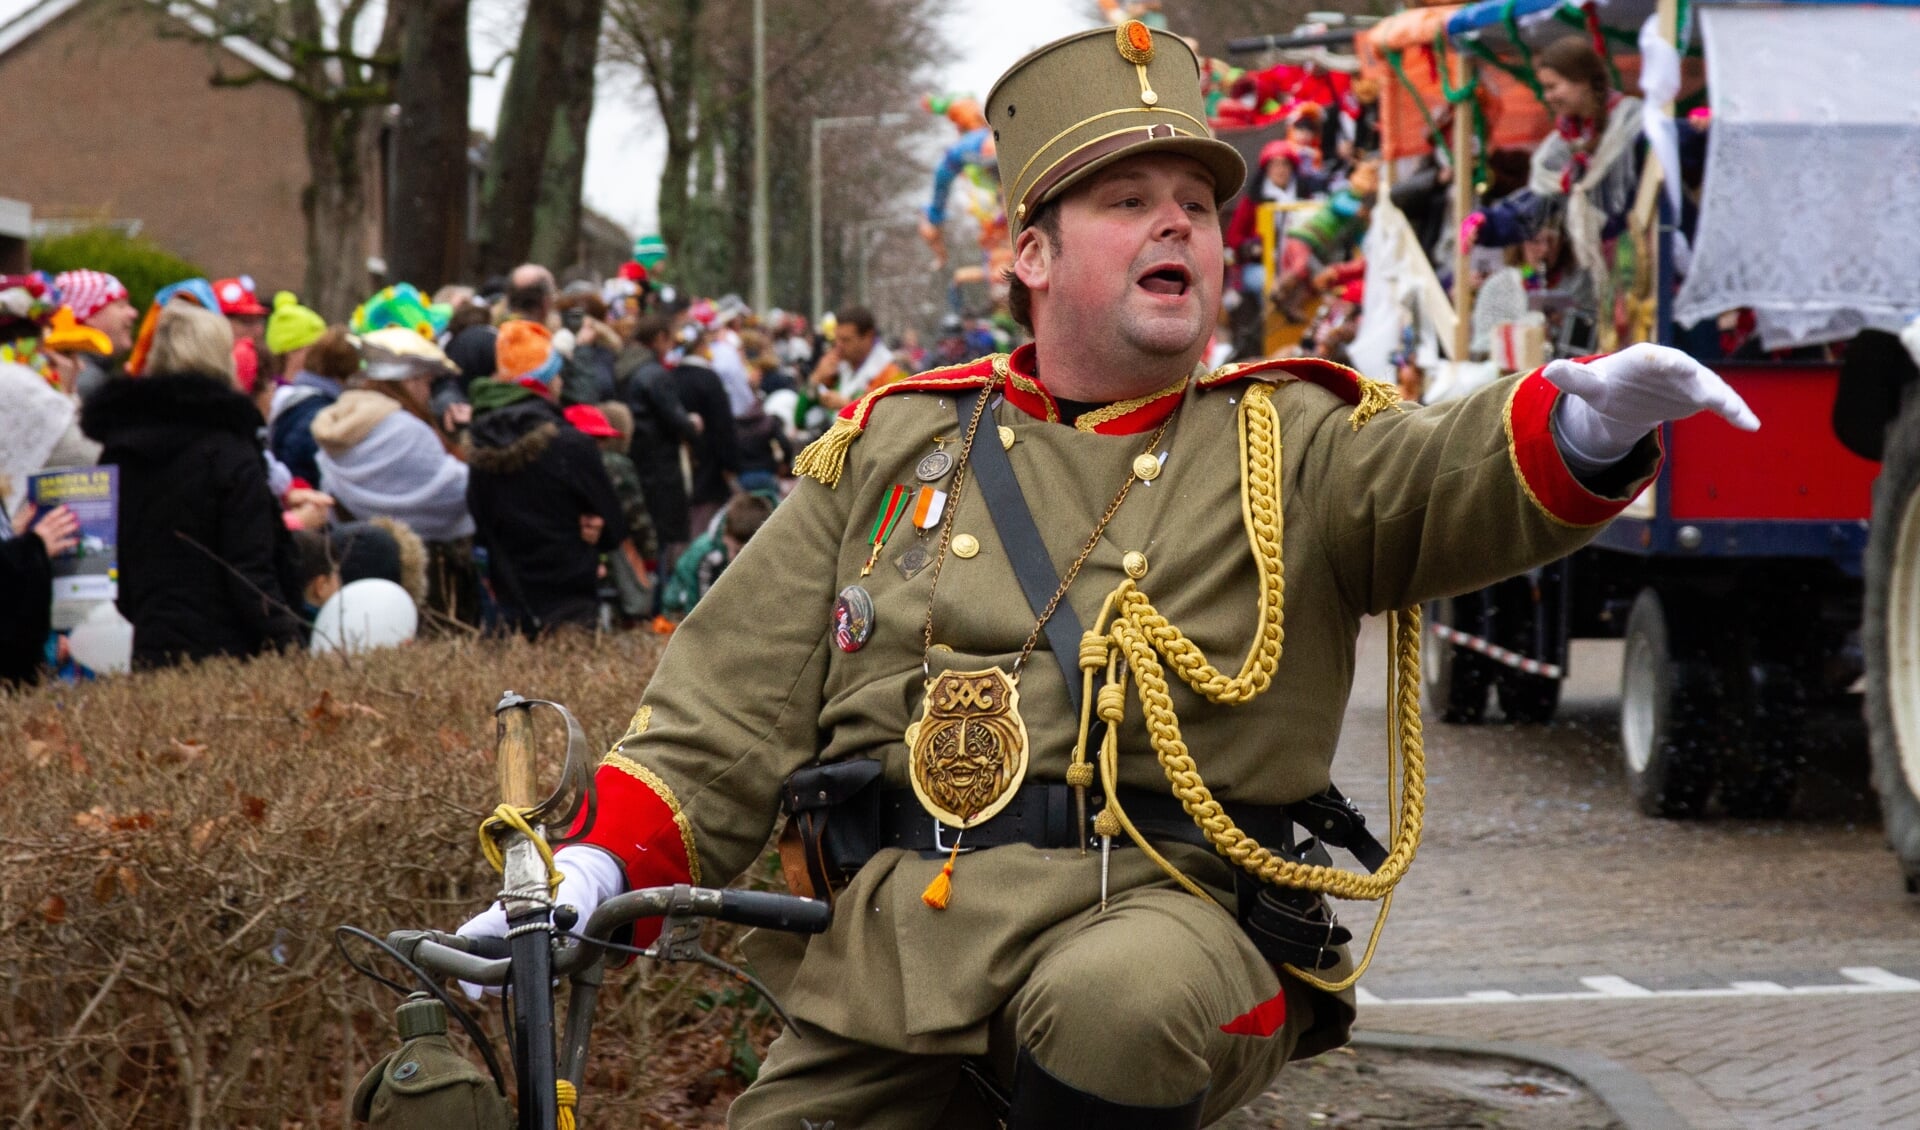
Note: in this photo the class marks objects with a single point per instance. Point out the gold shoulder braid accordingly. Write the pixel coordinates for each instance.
(1137, 636)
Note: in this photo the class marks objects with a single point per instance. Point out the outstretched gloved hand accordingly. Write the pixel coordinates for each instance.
(1614, 401)
(588, 877)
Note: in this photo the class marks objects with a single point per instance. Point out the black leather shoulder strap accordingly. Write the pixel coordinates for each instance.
(1021, 539)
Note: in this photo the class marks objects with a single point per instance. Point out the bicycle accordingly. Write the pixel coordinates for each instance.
(543, 945)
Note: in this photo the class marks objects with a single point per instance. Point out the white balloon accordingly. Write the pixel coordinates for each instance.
(781, 404)
(103, 642)
(364, 615)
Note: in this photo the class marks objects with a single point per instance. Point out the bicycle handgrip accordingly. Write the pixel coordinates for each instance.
(771, 911)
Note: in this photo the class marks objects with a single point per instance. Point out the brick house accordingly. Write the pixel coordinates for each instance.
(109, 118)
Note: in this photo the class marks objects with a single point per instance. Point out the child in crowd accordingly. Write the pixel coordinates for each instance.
(611, 428)
(709, 554)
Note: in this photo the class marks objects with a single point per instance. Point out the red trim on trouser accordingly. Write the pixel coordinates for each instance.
(1541, 467)
(1263, 1019)
(637, 826)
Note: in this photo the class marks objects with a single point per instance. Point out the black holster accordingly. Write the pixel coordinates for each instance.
(833, 823)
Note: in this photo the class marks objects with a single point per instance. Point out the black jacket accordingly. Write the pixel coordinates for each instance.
(716, 453)
(532, 477)
(204, 556)
(660, 426)
(26, 613)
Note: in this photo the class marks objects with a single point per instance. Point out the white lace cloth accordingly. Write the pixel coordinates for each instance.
(1810, 212)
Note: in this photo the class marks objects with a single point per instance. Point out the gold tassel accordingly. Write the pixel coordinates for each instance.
(1375, 398)
(940, 892)
(826, 457)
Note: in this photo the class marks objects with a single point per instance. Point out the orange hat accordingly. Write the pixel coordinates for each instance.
(523, 353)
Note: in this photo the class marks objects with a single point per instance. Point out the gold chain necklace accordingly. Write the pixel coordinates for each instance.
(967, 752)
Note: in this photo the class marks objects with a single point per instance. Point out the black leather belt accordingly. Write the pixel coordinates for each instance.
(1041, 815)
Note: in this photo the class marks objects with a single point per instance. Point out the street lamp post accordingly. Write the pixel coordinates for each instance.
(819, 272)
(762, 249)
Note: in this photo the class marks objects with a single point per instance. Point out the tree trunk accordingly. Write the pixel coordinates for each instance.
(427, 205)
(336, 205)
(517, 164)
(675, 82)
(556, 216)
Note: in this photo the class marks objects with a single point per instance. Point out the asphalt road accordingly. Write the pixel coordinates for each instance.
(1758, 973)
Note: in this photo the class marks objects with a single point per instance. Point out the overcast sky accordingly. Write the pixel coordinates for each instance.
(625, 146)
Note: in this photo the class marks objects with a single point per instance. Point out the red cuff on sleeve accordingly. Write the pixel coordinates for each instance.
(639, 823)
(1542, 469)
(1262, 1020)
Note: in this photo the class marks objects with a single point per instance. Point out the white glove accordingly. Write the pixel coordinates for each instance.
(1614, 401)
(588, 877)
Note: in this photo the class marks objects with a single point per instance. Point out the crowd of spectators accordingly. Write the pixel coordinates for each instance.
(519, 458)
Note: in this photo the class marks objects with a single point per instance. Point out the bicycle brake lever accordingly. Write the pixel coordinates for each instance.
(680, 941)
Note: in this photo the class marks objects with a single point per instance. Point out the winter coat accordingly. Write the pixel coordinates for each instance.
(380, 461)
(205, 560)
(26, 615)
(660, 426)
(289, 423)
(716, 450)
(533, 477)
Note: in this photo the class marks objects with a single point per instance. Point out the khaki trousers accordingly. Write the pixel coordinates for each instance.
(1128, 1007)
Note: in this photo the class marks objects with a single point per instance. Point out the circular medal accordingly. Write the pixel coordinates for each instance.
(852, 619)
(965, 545)
(934, 467)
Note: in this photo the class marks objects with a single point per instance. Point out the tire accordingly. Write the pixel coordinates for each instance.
(1766, 718)
(1891, 634)
(1529, 699)
(1526, 620)
(1454, 680)
(1665, 698)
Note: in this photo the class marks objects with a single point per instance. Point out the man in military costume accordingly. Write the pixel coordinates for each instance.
(1053, 894)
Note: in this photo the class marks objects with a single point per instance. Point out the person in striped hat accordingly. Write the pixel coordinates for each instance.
(99, 302)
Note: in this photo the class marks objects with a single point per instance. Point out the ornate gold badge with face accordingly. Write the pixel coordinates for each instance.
(968, 752)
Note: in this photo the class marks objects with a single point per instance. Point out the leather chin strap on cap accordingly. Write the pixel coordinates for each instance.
(1042, 1102)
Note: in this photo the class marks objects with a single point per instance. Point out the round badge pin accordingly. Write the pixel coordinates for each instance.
(934, 467)
(852, 619)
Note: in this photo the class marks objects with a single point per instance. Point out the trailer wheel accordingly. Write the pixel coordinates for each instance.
(1891, 633)
(1455, 680)
(1665, 696)
(1766, 720)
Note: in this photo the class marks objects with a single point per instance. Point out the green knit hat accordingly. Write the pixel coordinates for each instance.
(292, 326)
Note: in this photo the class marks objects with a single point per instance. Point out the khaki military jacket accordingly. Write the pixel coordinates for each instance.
(1380, 512)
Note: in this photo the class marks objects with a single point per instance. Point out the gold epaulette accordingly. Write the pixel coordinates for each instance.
(825, 458)
(1368, 397)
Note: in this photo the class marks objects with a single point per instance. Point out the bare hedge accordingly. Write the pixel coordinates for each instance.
(177, 847)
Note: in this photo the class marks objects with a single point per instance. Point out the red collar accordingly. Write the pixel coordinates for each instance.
(1127, 417)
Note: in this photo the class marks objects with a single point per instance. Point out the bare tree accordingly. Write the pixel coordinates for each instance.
(831, 58)
(426, 220)
(343, 91)
(530, 202)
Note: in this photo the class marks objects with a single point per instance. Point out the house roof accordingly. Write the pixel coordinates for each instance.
(23, 26)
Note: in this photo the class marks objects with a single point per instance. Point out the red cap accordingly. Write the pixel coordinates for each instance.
(633, 272)
(1279, 150)
(590, 420)
(237, 297)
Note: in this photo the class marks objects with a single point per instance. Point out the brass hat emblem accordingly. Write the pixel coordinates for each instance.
(1135, 42)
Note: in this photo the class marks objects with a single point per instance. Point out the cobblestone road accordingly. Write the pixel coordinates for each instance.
(1757, 973)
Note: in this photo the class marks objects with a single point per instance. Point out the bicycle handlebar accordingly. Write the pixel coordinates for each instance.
(484, 961)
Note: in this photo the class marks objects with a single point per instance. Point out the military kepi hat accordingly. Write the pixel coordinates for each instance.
(1081, 103)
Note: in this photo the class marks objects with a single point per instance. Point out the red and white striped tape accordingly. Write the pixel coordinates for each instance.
(1499, 654)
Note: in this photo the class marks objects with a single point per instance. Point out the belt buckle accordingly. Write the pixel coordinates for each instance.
(939, 844)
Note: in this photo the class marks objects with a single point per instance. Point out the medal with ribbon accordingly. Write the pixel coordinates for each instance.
(892, 509)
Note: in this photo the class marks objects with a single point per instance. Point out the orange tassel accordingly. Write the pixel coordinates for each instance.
(940, 891)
